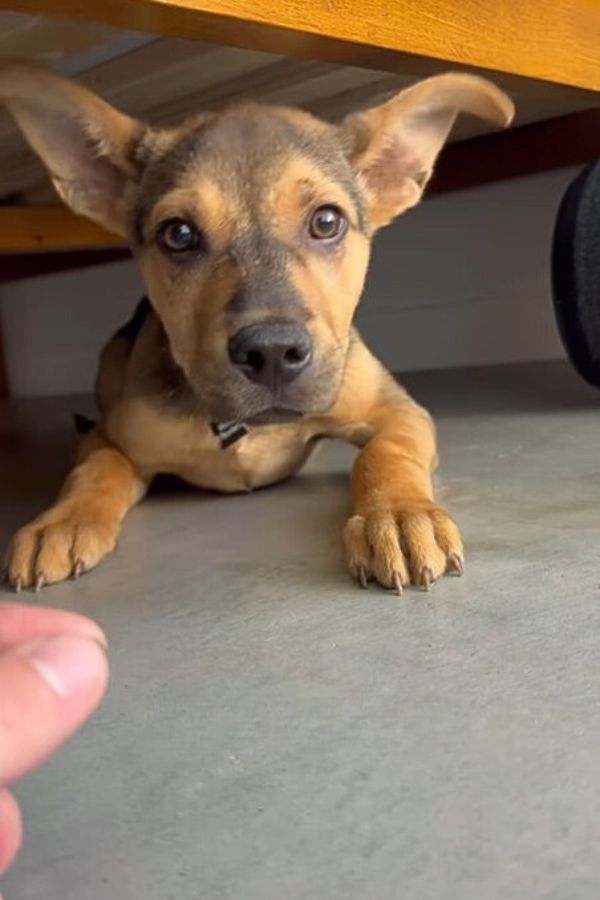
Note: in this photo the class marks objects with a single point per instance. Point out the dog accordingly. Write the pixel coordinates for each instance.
(252, 229)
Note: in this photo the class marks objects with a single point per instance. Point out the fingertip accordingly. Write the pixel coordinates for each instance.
(72, 666)
(11, 830)
(87, 628)
(48, 688)
(21, 622)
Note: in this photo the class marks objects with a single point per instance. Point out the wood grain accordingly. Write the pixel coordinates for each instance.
(553, 41)
(44, 228)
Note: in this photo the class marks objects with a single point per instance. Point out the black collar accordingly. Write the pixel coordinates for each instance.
(228, 433)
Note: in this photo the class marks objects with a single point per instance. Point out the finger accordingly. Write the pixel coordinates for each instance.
(47, 689)
(10, 830)
(21, 622)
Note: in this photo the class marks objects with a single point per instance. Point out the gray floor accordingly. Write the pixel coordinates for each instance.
(273, 732)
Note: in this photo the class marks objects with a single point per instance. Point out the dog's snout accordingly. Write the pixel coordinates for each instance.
(271, 353)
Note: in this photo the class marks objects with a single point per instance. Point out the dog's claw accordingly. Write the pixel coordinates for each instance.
(455, 564)
(40, 581)
(397, 582)
(361, 574)
(78, 568)
(426, 578)
(17, 584)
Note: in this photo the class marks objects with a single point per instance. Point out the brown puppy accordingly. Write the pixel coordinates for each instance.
(252, 229)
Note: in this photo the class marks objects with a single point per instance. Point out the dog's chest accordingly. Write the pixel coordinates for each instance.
(263, 456)
(189, 449)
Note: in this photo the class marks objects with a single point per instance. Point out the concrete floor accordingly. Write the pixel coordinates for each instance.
(273, 732)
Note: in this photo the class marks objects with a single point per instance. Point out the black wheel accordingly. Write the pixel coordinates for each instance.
(576, 272)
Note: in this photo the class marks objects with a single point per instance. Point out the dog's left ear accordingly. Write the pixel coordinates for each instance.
(393, 147)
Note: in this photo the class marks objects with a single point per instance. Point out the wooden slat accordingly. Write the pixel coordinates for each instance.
(571, 140)
(15, 266)
(257, 85)
(553, 41)
(568, 140)
(162, 71)
(548, 102)
(31, 228)
(153, 76)
(168, 79)
(47, 39)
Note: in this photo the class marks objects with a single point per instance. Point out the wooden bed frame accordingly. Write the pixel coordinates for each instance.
(553, 40)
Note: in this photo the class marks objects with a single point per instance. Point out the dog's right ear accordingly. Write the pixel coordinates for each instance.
(393, 147)
(87, 146)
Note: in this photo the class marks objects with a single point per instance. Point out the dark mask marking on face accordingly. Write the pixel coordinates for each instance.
(267, 294)
(241, 149)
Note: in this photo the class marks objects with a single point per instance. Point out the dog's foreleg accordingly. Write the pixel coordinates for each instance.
(398, 534)
(82, 526)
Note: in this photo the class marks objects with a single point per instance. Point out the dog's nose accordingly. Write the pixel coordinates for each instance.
(271, 353)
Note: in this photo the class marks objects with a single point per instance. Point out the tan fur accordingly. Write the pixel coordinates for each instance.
(159, 391)
(82, 526)
(395, 160)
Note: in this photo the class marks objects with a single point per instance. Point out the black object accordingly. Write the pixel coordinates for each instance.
(83, 425)
(576, 272)
(132, 328)
(229, 433)
(271, 352)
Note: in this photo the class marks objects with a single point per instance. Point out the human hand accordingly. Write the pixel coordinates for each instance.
(53, 674)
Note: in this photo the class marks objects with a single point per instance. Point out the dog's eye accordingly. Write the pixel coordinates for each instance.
(177, 236)
(326, 222)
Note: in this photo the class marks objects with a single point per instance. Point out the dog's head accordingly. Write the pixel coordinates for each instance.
(252, 226)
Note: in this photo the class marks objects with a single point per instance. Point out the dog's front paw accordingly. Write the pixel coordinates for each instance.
(64, 541)
(413, 544)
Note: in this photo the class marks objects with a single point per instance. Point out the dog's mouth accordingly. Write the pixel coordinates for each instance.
(253, 411)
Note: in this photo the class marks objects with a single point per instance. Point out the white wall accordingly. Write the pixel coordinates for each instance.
(462, 280)
(53, 327)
